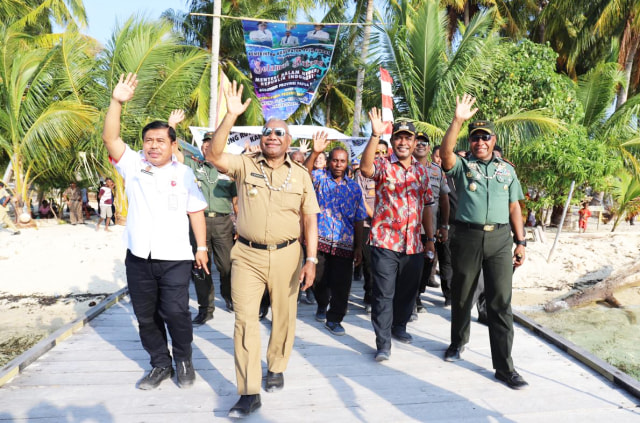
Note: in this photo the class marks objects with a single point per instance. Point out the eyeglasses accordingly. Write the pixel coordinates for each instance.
(483, 137)
(381, 151)
(280, 132)
(424, 143)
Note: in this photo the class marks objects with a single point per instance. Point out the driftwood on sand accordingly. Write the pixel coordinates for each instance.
(601, 291)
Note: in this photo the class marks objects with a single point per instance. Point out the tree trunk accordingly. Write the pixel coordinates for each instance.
(601, 291)
(627, 56)
(357, 108)
(467, 13)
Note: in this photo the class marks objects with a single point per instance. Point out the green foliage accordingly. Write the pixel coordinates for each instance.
(625, 189)
(525, 79)
(548, 164)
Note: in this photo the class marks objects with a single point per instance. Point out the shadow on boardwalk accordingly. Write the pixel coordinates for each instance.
(92, 376)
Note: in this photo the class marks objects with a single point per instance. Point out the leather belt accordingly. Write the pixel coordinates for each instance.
(486, 228)
(216, 214)
(269, 247)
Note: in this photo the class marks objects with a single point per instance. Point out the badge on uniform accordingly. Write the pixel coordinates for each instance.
(473, 186)
(252, 192)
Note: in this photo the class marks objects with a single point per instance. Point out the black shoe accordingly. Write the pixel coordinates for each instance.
(453, 353)
(309, 298)
(401, 335)
(186, 374)
(447, 302)
(367, 308)
(275, 381)
(264, 310)
(228, 303)
(321, 316)
(512, 379)
(202, 318)
(246, 405)
(433, 284)
(382, 355)
(155, 377)
(419, 308)
(483, 319)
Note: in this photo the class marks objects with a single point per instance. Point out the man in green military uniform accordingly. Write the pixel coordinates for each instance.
(488, 209)
(219, 191)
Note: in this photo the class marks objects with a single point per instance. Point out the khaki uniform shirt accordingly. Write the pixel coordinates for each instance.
(269, 216)
(485, 190)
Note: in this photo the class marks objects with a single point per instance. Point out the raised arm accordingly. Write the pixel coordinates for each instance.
(377, 129)
(123, 92)
(464, 111)
(235, 107)
(320, 143)
(175, 118)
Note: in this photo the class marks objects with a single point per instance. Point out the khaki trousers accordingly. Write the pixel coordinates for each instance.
(251, 270)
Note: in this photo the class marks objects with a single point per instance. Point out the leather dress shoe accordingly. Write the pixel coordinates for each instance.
(453, 353)
(447, 302)
(202, 318)
(275, 381)
(153, 379)
(433, 284)
(228, 303)
(246, 405)
(186, 374)
(512, 379)
(401, 335)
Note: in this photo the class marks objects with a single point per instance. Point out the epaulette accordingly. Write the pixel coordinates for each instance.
(507, 161)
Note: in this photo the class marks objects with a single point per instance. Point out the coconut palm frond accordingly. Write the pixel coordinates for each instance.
(596, 91)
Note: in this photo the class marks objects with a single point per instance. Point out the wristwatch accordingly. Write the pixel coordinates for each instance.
(313, 260)
(446, 227)
(520, 242)
(432, 240)
(201, 249)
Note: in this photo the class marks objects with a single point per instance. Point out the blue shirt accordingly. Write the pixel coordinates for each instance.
(341, 205)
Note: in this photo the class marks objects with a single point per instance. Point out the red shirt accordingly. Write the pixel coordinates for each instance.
(401, 195)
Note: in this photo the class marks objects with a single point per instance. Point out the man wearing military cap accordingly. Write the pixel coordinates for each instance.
(403, 200)
(275, 195)
(219, 190)
(488, 210)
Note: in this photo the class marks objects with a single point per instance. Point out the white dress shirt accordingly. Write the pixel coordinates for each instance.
(159, 200)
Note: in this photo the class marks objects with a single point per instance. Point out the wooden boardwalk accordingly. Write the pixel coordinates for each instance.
(91, 376)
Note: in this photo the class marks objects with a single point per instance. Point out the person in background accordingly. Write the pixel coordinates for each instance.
(5, 199)
(105, 199)
(73, 197)
(584, 214)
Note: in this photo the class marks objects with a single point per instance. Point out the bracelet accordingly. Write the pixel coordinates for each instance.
(375, 135)
(313, 260)
(444, 227)
(202, 249)
(431, 239)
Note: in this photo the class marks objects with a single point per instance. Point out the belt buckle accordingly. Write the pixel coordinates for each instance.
(271, 247)
(488, 228)
(211, 214)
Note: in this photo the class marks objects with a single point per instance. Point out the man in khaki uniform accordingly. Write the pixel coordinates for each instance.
(5, 198)
(73, 197)
(274, 195)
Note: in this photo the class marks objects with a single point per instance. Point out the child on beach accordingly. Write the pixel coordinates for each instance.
(585, 214)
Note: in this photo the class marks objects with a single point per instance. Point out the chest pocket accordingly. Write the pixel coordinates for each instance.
(255, 188)
(291, 197)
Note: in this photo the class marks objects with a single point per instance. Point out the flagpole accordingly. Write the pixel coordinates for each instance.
(215, 52)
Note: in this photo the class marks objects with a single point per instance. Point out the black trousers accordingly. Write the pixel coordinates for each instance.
(159, 291)
(444, 260)
(474, 250)
(219, 242)
(396, 278)
(366, 266)
(333, 285)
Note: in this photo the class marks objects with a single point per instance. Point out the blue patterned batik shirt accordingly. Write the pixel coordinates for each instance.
(341, 206)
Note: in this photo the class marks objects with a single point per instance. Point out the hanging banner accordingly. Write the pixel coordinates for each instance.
(287, 63)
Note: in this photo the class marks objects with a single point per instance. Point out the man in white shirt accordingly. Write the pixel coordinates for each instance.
(162, 192)
(318, 34)
(262, 35)
(289, 40)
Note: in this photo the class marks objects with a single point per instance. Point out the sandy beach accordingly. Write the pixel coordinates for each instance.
(51, 274)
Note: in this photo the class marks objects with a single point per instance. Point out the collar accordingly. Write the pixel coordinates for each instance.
(493, 158)
(174, 160)
(345, 178)
(261, 158)
(394, 159)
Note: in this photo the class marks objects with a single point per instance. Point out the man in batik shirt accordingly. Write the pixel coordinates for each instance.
(340, 224)
(402, 200)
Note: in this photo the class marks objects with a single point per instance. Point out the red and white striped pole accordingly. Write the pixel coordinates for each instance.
(387, 101)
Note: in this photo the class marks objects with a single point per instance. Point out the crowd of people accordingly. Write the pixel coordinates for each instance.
(304, 223)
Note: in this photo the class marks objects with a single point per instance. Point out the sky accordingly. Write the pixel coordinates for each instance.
(103, 14)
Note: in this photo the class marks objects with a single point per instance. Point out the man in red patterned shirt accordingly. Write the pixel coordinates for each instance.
(402, 192)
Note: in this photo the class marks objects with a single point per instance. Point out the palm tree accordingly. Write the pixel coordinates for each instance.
(429, 73)
(626, 193)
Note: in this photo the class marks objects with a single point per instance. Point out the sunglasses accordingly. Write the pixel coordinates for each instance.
(424, 143)
(280, 132)
(483, 137)
(381, 152)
